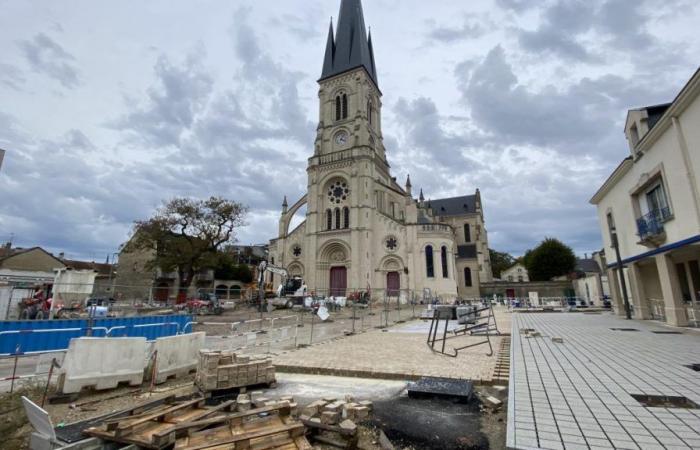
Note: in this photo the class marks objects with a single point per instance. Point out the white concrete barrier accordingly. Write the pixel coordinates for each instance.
(177, 355)
(102, 363)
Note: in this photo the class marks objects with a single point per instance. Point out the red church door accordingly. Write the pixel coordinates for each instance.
(393, 284)
(339, 281)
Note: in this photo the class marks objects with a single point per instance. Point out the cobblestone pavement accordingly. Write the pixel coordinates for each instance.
(578, 394)
(400, 352)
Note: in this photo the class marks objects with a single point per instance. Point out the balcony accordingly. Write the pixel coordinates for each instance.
(651, 228)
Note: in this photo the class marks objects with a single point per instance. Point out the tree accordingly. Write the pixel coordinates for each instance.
(550, 259)
(500, 261)
(186, 234)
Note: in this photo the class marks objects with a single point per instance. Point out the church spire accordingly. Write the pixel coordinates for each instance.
(351, 48)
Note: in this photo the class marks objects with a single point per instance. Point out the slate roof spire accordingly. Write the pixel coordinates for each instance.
(350, 48)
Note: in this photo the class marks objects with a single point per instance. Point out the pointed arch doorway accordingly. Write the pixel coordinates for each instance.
(339, 281)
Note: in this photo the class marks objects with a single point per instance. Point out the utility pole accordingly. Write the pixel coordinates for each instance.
(620, 270)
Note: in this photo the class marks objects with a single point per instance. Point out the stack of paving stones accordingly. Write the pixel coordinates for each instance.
(257, 399)
(225, 370)
(331, 411)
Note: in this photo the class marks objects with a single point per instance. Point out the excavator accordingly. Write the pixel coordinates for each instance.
(290, 292)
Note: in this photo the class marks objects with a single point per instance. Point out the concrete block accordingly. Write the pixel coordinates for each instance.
(177, 355)
(330, 417)
(348, 425)
(361, 413)
(492, 402)
(367, 404)
(313, 409)
(102, 363)
(243, 405)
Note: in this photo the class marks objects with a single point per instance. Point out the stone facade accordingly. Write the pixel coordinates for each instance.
(362, 229)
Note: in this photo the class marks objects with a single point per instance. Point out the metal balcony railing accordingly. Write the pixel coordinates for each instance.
(651, 224)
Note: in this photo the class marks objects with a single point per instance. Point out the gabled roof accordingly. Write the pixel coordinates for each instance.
(587, 266)
(100, 268)
(454, 206)
(20, 251)
(351, 47)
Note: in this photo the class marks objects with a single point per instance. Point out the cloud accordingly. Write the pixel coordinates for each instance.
(470, 28)
(180, 93)
(46, 56)
(11, 76)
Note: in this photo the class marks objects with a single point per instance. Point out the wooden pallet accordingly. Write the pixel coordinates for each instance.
(501, 372)
(156, 427)
(249, 431)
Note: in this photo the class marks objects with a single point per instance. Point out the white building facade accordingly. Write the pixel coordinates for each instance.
(362, 229)
(652, 202)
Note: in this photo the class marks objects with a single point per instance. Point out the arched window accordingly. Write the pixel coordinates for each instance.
(337, 108)
(467, 233)
(467, 277)
(345, 106)
(346, 217)
(337, 218)
(369, 111)
(429, 266)
(443, 260)
(329, 219)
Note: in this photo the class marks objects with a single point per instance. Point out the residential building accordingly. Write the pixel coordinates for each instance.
(651, 204)
(516, 273)
(590, 279)
(362, 228)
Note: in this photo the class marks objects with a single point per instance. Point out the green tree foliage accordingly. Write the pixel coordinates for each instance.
(227, 269)
(500, 261)
(550, 259)
(185, 235)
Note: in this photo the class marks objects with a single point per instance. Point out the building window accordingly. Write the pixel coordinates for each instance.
(329, 219)
(393, 210)
(443, 260)
(345, 106)
(657, 202)
(467, 233)
(429, 267)
(346, 217)
(337, 218)
(337, 108)
(520, 279)
(510, 277)
(370, 111)
(467, 277)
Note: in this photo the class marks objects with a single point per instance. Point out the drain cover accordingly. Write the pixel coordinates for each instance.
(441, 387)
(624, 329)
(665, 401)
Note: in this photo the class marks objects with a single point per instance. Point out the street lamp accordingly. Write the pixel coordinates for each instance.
(620, 267)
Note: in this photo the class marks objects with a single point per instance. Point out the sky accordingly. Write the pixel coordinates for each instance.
(109, 108)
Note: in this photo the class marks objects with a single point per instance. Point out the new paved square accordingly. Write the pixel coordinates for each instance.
(578, 394)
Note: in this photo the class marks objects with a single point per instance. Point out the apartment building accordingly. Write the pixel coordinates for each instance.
(650, 205)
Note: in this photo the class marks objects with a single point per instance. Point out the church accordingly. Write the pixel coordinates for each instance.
(363, 230)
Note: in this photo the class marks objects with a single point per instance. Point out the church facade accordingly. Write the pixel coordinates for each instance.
(363, 230)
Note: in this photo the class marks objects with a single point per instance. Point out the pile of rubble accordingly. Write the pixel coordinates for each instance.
(226, 370)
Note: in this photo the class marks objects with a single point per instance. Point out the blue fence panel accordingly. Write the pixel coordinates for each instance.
(28, 336)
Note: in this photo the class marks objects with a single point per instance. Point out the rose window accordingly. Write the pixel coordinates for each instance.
(391, 243)
(338, 192)
(297, 251)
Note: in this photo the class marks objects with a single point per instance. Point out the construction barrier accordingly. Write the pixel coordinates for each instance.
(175, 355)
(102, 363)
(42, 335)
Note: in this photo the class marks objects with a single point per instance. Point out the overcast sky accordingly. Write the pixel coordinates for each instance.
(109, 107)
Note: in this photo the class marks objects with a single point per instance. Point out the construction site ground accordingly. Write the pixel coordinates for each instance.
(380, 362)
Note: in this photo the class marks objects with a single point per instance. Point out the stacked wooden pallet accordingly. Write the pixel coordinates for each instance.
(189, 425)
(501, 372)
(225, 370)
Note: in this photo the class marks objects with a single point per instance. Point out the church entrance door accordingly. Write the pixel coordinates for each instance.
(339, 281)
(393, 284)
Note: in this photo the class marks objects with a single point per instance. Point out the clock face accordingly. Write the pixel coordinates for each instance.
(341, 138)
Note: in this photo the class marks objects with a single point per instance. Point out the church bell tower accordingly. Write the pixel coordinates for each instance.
(349, 95)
